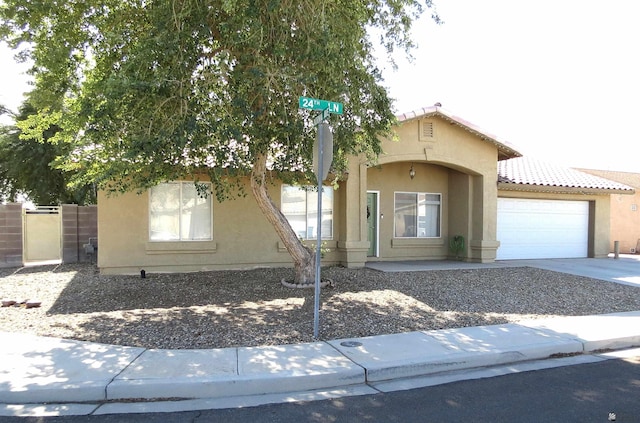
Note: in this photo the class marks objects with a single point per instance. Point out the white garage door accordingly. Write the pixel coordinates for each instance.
(534, 229)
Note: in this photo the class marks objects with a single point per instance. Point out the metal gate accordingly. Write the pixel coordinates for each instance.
(42, 234)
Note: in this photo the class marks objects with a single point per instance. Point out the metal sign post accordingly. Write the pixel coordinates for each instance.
(316, 298)
(322, 163)
(321, 167)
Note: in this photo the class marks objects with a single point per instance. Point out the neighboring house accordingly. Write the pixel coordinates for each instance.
(625, 211)
(437, 181)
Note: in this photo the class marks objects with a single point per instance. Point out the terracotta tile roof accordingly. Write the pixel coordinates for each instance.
(506, 149)
(628, 178)
(525, 173)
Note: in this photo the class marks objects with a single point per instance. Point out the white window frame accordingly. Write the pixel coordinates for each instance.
(181, 236)
(417, 224)
(308, 233)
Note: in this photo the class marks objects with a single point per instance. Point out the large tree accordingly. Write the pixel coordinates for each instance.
(155, 90)
(28, 165)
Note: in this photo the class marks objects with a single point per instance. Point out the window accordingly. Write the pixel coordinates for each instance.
(177, 212)
(417, 215)
(300, 207)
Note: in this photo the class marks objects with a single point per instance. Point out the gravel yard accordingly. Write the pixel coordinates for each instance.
(250, 308)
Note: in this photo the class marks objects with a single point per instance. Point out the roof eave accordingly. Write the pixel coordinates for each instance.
(553, 189)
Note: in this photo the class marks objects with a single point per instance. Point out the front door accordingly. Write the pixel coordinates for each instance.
(372, 223)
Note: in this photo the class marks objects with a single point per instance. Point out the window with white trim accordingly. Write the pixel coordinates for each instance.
(178, 212)
(417, 215)
(300, 206)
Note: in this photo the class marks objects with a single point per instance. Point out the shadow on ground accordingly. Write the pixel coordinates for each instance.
(248, 308)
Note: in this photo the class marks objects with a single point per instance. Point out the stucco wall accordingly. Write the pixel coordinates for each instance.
(242, 238)
(451, 146)
(625, 222)
(625, 210)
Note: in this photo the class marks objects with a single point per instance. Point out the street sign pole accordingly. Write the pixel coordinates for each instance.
(325, 139)
(323, 155)
(316, 302)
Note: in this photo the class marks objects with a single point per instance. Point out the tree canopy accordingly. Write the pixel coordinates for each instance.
(27, 167)
(146, 91)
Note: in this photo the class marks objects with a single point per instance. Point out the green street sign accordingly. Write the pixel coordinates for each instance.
(317, 104)
(321, 117)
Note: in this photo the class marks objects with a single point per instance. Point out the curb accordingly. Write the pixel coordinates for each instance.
(47, 370)
(234, 372)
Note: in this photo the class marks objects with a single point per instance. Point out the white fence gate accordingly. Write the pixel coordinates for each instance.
(42, 234)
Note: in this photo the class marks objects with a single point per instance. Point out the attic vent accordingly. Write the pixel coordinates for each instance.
(427, 130)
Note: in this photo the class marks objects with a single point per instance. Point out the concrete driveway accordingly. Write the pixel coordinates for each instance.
(624, 270)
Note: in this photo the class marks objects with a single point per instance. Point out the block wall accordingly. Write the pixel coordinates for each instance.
(10, 235)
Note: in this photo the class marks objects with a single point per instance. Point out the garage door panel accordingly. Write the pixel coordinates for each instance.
(542, 228)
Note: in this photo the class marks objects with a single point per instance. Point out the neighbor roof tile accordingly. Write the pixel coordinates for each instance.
(526, 171)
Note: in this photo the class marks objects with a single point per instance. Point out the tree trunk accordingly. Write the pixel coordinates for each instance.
(303, 257)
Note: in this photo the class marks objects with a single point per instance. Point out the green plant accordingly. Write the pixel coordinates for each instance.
(312, 247)
(456, 245)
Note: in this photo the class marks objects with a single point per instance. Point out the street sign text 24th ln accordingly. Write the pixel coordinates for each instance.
(317, 104)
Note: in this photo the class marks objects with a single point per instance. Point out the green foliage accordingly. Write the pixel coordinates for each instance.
(456, 245)
(149, 91)
(27, 165)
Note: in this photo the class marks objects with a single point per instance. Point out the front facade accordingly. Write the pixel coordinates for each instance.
(452, 191)
(436, 181)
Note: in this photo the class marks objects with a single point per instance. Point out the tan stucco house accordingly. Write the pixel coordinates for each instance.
(440, 179)
(625, 211)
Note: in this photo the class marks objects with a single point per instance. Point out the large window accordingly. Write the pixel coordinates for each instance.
(417, 215)
(300, 207)
(177, 212)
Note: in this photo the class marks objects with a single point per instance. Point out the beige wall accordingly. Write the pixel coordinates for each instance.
(625, 222)
(599, 216)
(452, 147)
(242, 238)
(625, 210)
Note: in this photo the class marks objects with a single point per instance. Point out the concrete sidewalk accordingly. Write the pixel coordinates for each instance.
(84, 378)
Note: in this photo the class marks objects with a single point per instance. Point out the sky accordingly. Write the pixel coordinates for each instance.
(557, 79)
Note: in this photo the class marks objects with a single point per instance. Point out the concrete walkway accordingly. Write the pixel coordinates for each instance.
(625, 269)
(46, 376)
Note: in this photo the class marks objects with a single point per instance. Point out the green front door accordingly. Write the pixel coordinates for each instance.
(372, 223)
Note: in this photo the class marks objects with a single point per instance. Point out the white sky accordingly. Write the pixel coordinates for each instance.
(13, 81)
(559, 79)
